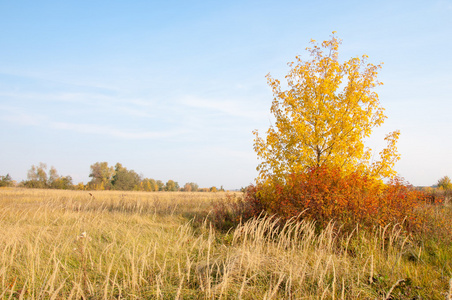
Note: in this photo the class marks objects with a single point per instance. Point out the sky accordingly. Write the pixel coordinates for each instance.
(174, 89)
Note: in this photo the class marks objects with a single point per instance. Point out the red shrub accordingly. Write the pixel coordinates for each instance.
(325, 194)
(230, 211)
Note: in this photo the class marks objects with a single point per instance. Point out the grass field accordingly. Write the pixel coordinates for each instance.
(138, 245)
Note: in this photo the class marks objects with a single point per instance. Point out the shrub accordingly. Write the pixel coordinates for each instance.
(326, 193)
(432, 195)
(229, 212)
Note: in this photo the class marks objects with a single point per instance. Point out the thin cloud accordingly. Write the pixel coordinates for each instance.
(78, 97)
(115, 132)
(22, 119)
(16, 116)
(231, 108)
(13, 115)
(93, 100)
(241, 155)
(41, 75)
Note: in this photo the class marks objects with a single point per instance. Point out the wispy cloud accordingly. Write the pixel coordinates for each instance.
(59, 79)
(226, 107)
(240, 155)
(18, 117)
(115, 132)
(93, 100)
(89, 98)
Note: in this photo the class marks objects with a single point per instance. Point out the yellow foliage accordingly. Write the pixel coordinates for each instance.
(323, 117)
(445, 183)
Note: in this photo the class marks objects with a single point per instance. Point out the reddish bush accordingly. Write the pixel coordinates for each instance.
(227, 213)
(325, 194)
(433, 196)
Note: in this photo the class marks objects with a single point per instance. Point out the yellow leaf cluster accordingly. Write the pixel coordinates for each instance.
(324, 115)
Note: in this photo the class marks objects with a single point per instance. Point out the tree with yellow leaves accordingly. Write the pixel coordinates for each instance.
(445, 183)
(324, 116)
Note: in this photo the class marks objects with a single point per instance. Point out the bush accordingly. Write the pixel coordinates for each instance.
(433, 195)
(326, 193)
(229, 212)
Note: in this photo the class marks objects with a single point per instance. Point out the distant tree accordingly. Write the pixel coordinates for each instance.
(194, 187)
(125, 179)
(160, 185)
(149, 185)
(171, 186)
(41, 172)
(37, 176)
(190, 187)
(6, 181)
(213, 189)
(80, 186)
(145, 185)
(154, 185)
(187, 187)
(102, 175)
(53, 175)
(445, 183)
(62, 183)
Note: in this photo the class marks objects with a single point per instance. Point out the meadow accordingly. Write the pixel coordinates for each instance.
(58, 244)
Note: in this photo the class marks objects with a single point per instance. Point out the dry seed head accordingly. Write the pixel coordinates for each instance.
(82, 235)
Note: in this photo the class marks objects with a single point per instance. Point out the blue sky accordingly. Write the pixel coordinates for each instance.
(173, 89)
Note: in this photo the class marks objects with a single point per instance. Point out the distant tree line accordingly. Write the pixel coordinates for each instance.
(6, 181)
(103, 177)
(38, 177)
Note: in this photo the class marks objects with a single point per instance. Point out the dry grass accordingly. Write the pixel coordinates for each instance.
(136, 245)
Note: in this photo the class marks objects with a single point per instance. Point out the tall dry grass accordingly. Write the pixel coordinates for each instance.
(136, 245)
